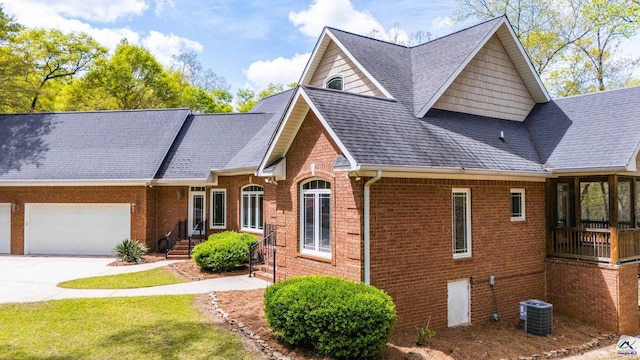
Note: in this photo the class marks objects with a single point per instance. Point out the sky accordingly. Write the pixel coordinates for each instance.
(250, 43)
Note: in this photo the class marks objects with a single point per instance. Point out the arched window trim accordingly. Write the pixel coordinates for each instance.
(316, 218)
(332, 78)
(251, 208)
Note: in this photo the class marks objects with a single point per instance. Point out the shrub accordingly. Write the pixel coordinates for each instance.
(337, 317)
(223, 251)
(130, 251)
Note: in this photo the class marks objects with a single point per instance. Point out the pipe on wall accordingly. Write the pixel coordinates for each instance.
(367, 226)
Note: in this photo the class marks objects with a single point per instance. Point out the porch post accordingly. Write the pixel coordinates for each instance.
(577, 216)
(613, 218)
(551, 211)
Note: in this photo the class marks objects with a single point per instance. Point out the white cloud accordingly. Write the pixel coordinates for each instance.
(160, 4)
(94, 10)
(277, 71)
(42, 13)
(163, 47)
(441, 22)
(334, 13)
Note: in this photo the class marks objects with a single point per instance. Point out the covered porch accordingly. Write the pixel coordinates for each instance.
(594, 218)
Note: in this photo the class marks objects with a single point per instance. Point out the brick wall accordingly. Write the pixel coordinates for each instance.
(411, 248)
(113, 194)
(311, 155)
(601, 294)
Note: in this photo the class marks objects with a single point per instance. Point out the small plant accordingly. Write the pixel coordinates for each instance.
(336, 317)
(131, 251)
(223, 251)
(425, 332)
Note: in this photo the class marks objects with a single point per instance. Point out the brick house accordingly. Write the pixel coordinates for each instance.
(428, 170)
(78, 183)
(425, 171)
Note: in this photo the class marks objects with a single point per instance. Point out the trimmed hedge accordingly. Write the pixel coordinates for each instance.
(223, 251)
(337, 317)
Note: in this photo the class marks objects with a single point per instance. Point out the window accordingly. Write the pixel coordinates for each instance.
(218, 209)
(461, 205)
(252, 215)
(335, 82)
(517, 204)
(315, 218)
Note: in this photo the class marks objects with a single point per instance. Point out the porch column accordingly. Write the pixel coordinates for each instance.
(613, 218)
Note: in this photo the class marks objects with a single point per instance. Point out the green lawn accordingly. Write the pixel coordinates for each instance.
(153, 277)
(154, 327)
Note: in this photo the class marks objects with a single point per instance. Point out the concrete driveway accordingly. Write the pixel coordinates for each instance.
(34, 278)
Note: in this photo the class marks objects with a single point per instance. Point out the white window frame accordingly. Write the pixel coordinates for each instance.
(212, 209)
(331, 78)
(522, 216)
(467, 193)
(316, 222)
(255, 214)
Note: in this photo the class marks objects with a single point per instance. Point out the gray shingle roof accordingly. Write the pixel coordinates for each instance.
(107, 145)
(383, 132)
(224, 141)
(414, 75)
(600, 130)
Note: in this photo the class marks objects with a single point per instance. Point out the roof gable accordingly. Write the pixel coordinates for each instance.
(329, 41)
(437, 64)
(489, 85)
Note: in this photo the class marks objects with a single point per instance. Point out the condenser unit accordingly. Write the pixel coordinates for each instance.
(537, 316)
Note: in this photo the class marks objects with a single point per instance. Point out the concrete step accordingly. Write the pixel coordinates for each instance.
(173, 256)
(263, 275)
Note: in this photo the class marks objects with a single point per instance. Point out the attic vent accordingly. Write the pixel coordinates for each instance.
(537, 316)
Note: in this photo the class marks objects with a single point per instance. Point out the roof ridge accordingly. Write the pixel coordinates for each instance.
(459, 31)
(598, 92)
(95, 111)
(367, 37)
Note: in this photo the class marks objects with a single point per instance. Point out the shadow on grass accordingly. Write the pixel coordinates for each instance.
(167, 340)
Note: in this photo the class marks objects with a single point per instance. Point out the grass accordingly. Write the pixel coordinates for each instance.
(140, 279)
(154, 327)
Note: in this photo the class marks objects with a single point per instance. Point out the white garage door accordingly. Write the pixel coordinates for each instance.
(75, 229)
(5, 228)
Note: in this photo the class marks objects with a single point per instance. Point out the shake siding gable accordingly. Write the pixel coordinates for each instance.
(334, 61)
(489, 86)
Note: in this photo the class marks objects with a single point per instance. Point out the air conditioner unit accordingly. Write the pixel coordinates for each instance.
(537, 316)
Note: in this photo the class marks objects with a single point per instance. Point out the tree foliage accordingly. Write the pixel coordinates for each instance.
(247, 98)
(572, 44)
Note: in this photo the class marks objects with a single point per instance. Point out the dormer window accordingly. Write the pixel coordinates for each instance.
(335, 82)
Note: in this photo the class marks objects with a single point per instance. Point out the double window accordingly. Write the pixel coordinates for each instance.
(252, 209)
(218, 209)
(461, 227)
(315, 218)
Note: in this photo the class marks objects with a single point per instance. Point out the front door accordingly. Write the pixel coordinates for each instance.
(197, 208)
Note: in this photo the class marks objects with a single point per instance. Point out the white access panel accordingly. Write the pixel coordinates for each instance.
(458, 302)
(5, 228)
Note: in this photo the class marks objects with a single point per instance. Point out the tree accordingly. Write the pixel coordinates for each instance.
(11, 65)
(131, 79)
(50, 55)
(190, 68)
(560, 35)
(247, 98)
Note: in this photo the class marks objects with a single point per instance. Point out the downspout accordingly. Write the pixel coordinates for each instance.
(367, 226)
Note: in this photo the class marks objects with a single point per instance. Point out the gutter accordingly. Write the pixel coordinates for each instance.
(367, 226)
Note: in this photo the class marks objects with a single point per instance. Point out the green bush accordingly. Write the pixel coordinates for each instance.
(130, 251)
(223, 251)
(337, 317)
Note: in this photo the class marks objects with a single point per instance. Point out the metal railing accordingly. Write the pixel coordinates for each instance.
(264, 251)
(201, 235)
(170, 239)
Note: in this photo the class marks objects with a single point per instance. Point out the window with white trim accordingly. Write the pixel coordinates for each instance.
(517, 205)
(461, 220)
(335, 82)
(251, 208)
(218, 211)
(315, 218)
